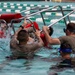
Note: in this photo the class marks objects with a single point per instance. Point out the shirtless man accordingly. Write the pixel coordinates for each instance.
(23, 46)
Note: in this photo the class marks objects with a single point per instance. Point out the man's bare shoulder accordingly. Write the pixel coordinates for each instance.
(32, 46)
(13, 42)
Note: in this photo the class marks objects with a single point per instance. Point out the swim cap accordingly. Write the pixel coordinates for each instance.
(66, 48)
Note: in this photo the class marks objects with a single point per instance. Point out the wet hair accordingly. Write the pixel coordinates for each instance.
(71, 27)
(51, 31)
(22, 35)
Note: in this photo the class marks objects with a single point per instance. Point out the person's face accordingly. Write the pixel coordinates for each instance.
(66, 31)
(3, 26)
(62, 54)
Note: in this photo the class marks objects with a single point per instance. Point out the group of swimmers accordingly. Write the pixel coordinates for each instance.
(23, 44)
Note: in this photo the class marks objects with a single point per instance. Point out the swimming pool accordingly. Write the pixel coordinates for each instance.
(44, 58)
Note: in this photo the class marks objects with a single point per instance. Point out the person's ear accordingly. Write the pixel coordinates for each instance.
(68, 31)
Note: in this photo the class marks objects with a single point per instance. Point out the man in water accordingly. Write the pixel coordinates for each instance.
(21, 47)
(30, 44)
(67, 43)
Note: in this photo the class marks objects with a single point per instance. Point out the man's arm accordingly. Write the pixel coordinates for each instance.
(40, 42)
(49, 39)
(36, 44)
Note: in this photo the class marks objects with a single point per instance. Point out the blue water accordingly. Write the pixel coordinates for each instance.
(43, 59)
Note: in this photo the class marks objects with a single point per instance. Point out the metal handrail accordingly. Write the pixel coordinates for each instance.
(2, 20)
(44, 10)
(41, 11)
(61, 12)
(27, 17)
(61, 18)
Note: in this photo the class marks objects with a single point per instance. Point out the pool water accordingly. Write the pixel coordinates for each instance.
(44, 59)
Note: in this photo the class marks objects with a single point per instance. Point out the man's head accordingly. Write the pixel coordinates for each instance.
(70, 28)
(3, 25)
(22, 36)
(51, 31)
(65, 49)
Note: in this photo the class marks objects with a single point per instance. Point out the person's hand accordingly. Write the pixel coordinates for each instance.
(37, 33)
(24, 23)
(45, 28)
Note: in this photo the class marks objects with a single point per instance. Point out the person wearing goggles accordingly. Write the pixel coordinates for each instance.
(67, 43)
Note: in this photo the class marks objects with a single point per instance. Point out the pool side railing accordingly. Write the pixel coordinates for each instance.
(61, 18)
